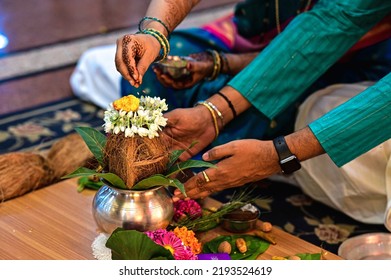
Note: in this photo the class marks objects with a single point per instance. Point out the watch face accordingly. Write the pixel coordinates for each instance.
(290, 164)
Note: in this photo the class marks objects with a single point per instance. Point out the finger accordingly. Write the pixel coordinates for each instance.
(199, 186)
(131, 49)
(142, 66)
(120, 65)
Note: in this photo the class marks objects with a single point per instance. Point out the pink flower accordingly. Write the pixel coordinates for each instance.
(171, 242)
(187, 208)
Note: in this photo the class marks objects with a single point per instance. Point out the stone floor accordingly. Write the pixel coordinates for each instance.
(46, 38)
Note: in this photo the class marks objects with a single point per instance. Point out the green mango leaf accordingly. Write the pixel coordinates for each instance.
(159, 180)
(255, 246)
(94, 140)
(191, 163)
(135, 245)
(317, 256)
(111, 178)
(174, 156)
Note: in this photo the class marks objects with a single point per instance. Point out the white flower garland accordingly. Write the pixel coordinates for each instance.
(99, 249)
(148, 120)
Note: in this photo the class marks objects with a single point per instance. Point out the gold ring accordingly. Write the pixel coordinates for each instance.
(205, 177)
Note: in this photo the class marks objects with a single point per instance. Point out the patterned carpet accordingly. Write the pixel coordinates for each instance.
(282, 204)
(37, 128)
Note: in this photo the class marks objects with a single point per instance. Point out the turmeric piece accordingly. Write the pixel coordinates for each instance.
(241, 245)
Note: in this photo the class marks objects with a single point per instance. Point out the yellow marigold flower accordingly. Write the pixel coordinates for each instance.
(188, 238)
(127, 103)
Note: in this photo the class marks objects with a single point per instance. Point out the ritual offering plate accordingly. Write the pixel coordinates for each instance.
(241, 220)
(175, 66)
(369, 246)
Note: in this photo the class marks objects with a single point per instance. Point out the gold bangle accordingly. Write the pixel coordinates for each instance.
(219, 114)
(213, 116)
(216, 64)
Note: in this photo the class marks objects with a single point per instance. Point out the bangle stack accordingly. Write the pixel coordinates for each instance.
(162, 39)
(212, 109)
(216, 64)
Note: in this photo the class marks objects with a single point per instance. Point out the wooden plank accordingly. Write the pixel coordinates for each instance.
(56, 223)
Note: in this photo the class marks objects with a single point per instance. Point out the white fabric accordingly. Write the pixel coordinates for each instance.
(360, 188)
(95, 78)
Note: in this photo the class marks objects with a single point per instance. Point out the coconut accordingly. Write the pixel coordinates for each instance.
(68, 154)
(135, 158)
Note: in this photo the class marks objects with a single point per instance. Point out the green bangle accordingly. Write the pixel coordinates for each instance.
(140, 27)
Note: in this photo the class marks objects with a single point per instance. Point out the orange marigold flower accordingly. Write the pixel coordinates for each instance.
(127, 103)
(188, 238)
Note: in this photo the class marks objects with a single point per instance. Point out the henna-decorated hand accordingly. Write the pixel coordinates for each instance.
(134, 55)
(200, 68)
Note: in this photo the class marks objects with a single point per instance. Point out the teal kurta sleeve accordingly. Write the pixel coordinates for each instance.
(358, 125)
(309, 45)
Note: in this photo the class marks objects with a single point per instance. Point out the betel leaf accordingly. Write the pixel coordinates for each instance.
(111, 178)
(174, 155)
(135, 245)
(159, 180)
(94, 140)
(191, 163)
(255, 246)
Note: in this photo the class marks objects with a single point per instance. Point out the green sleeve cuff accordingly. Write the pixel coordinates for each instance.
(357, 125)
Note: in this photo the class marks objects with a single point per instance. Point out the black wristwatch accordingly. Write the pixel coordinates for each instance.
(289, 162)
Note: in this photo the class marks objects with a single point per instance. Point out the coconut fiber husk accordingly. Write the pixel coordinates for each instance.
(21, 172)
(135, 158)
(70, 153)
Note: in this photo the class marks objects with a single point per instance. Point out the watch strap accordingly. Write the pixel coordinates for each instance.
(281, 147)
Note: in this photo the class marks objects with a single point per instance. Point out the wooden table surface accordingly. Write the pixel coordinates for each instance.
(56, 222)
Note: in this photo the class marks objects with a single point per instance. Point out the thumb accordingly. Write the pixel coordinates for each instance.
(142, 66)
(217, 153)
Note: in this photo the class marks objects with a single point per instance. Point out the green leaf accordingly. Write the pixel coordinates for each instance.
(159, 180)
(191, 163)
(316, 256)
(94, 140)
(174, 156)
(85, 182)
(111, 178)
(135, 245)
(255, 246)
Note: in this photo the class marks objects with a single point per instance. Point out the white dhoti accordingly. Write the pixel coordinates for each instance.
(361, 188)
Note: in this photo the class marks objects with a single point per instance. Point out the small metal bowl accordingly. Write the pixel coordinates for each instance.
(369, 246)
(174, 66)
(240, 225)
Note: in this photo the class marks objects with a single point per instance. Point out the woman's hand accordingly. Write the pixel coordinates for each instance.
(186, 126)
(134, 55)
(200, 67)
(239, 162)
